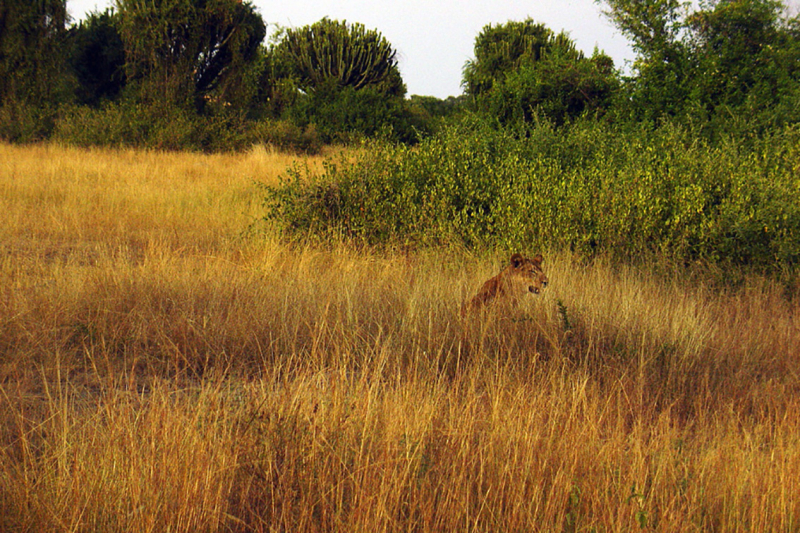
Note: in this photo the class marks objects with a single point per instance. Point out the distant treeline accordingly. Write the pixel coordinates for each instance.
(203, 75)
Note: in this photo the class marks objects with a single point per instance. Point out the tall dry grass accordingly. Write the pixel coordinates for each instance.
(163, 370)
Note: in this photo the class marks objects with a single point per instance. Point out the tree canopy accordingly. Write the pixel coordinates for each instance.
(34, 77)
(734, 57)
(504, 48)
(188, 50)
(97, 57)
(522, 69)
(201, 70)
(332, 53)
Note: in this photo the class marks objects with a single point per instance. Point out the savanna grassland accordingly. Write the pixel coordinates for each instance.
(167, 363)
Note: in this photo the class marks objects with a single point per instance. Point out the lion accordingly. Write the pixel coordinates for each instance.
(522, 276)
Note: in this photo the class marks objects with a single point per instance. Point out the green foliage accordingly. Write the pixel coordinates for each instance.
(344, 114)
(654, 28)
(189, 52)
(589, 187)
(32, 35)
(274, 84)
(23, 122)
(748, 62)
(132, 124)
(723, 69)
(430, 106)
(97, 57)
(559, 88)
(522, 70)
(339, 78)
(732, 63)
(287, 136)
(127, 123)
(33, 73)
(428, 114)
(330, 53)
(503, 48)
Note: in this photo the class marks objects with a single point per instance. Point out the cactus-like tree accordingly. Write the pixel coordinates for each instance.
(332, 53)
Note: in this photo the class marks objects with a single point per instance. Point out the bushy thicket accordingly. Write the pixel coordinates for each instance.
(590, 187)
(131, 124)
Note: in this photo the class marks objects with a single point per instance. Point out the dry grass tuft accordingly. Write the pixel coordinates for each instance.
(159, 370)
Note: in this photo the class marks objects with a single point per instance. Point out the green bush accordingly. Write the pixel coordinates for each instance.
(287, 136)
(590, 187)
(345, 114)
(127, 123)
(24, 122)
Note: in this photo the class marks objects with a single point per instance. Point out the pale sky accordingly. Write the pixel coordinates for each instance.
(435, 38)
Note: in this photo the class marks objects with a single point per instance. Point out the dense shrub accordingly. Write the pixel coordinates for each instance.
(589, 187)
(127, 123)
(21, 122)
(344, 115)
(287, 136)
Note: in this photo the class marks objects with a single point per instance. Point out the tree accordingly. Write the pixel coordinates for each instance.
(723, 60)
(344, 80)
(97, 58)
(733, 44)
(503, 48)
(189, 51)
(330, 54)
(34, 79)
(655, 28)
(558, 88)
(523, 69)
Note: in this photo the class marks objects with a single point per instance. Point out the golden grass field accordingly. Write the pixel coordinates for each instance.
(163, 368)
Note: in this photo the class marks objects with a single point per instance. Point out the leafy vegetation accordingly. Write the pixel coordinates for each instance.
(589, 188)
(522, 70)
(98, 59)
(349, 82)
(34, 78)
(724, 68)
(333, 53)
(188, 52)
(692, 157)
(730, 65)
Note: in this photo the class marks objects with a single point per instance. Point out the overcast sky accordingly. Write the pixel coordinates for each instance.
(435, 38)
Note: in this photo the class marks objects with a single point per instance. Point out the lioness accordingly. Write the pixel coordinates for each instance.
(520, 277)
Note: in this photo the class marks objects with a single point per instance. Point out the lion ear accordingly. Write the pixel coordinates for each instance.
(516, 260)
(538, 259)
